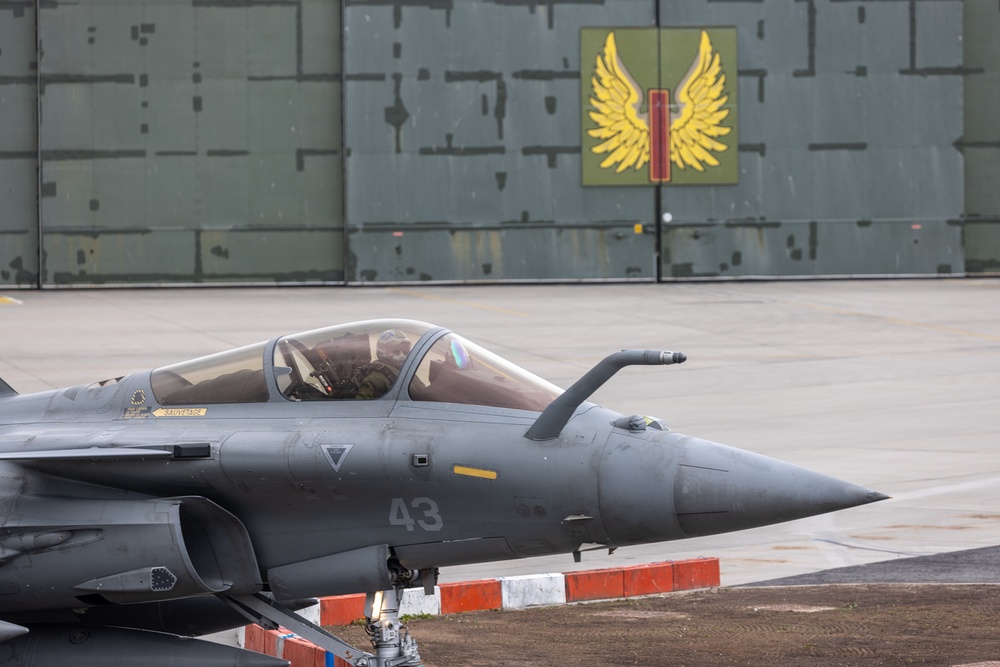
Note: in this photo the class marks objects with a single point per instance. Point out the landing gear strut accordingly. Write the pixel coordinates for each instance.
(391, 640)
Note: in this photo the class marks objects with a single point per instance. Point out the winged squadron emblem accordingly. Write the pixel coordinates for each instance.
(685, 133)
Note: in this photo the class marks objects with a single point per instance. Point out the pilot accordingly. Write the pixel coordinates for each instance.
(391, 351)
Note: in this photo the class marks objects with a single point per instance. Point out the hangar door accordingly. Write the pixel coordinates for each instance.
(18, 148)
(850, 163)
(156, 141)
(463, 123)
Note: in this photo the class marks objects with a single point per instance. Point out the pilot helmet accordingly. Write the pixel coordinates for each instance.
(392, 347)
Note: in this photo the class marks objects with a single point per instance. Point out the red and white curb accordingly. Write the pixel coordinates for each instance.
(488, 594)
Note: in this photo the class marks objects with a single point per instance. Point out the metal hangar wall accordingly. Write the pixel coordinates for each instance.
(371, 141)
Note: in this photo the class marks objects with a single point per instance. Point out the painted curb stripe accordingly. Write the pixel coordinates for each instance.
(491, 594)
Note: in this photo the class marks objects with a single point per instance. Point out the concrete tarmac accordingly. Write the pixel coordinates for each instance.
(894, 385)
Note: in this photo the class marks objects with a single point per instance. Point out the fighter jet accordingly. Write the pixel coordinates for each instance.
(142, 511)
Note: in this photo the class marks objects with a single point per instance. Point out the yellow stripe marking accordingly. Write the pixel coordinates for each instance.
(9, 301)
(471, 304)
(468, 471)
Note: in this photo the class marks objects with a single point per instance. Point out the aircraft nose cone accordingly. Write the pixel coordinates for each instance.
(719, 489)
(676, 486)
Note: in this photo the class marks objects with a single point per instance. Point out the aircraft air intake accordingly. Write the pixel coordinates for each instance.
(125, 551)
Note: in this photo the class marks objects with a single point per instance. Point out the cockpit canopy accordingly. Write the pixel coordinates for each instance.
(363, 360)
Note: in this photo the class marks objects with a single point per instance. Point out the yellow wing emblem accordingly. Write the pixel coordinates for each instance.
(696, 122)
(695, 119)
(623, 130)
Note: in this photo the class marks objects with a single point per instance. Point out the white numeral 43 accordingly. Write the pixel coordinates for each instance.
(429, 518)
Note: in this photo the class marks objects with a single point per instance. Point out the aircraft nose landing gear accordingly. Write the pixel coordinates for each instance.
(393, 645)
(391, 640)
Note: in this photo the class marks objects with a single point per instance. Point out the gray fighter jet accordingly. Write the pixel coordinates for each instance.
(145, 510)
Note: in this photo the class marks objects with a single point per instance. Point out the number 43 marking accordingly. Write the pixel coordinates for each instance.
(425, 508)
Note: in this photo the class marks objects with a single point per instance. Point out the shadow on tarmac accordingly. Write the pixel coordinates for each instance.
(974, 566)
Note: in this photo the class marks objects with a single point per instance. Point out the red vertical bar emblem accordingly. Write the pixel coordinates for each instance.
(659, 135)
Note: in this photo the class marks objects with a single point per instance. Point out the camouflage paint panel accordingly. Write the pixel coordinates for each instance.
(18, 149)
(166, 123)
(75, 258)
(163, 256)
(811, 249)
(982, 245)
(555, 252)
